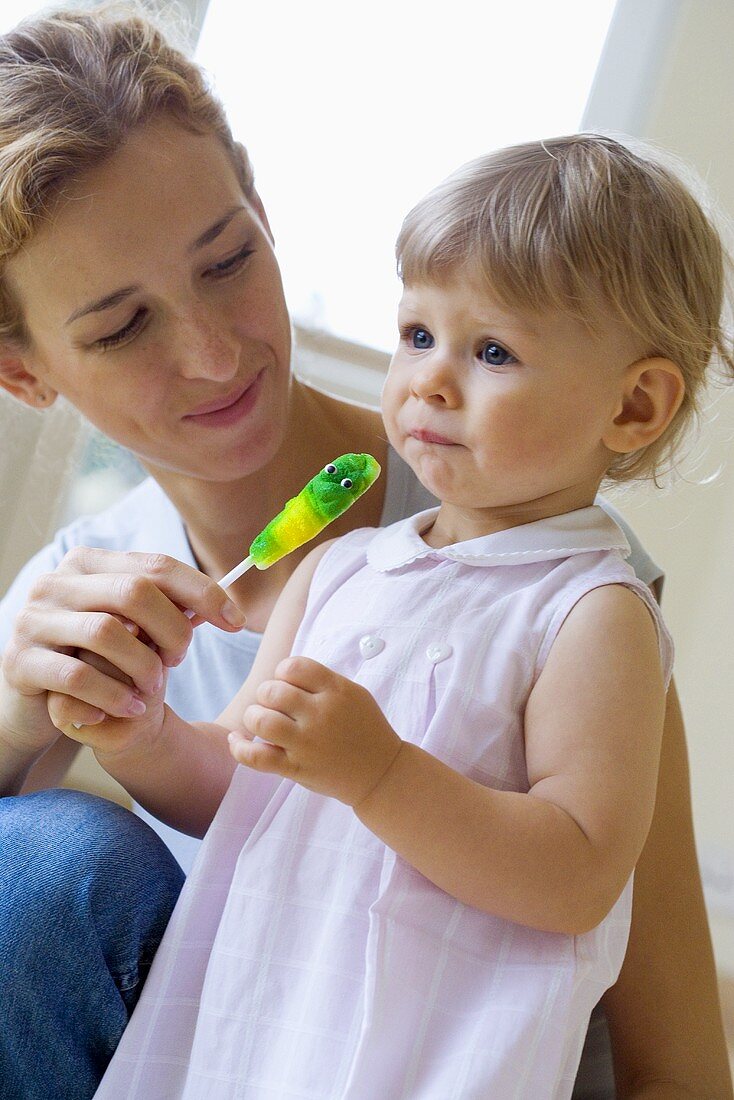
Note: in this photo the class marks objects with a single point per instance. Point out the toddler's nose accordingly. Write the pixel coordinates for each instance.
(435, 380)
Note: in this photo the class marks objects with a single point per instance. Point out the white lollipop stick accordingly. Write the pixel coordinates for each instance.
(228, 578)
(236, 573)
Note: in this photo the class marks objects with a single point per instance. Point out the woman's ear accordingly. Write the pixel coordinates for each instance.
(20, 382)
(652, 391)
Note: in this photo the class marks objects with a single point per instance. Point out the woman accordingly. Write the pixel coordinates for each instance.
(139, 282)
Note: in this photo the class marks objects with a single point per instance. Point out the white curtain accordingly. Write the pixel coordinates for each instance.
(37, 455)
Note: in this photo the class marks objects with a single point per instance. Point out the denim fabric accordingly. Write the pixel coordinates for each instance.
(86, 891)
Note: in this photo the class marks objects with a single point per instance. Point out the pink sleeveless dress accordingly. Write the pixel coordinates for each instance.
(305, 959)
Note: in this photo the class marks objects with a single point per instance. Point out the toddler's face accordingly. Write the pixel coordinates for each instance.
(498, 412)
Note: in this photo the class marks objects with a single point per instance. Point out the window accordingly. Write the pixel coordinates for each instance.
(351, 113)
(13, 11)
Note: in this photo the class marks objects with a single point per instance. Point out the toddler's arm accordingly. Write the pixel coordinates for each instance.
(558, 857)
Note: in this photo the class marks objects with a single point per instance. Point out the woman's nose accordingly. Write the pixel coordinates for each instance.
(206, 350)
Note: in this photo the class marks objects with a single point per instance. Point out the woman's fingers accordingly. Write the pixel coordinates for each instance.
(101, 629)
(112, 639)
(39, 670)
(129, 584)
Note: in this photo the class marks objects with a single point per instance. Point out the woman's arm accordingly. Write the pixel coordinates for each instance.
(664, 1015)
(51, 768)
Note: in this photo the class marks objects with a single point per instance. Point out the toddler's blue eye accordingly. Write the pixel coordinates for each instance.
(494, 355)
(421, 339)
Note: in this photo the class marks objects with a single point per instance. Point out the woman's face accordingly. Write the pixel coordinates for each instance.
(154, 304)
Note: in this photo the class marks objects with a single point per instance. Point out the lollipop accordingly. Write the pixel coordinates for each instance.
(320, 501)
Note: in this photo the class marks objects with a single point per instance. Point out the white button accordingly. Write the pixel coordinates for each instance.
(370, 646)
(438, 651)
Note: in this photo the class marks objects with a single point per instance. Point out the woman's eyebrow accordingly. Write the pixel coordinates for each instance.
(213, 231)
(107, 302)
(117, 296)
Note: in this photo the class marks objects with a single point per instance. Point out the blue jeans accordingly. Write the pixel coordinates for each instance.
(86, 891)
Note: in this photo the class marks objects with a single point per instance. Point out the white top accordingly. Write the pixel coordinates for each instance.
(305, 958)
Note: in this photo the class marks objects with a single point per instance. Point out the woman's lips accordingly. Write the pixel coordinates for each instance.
(227, 410)
(431, 437)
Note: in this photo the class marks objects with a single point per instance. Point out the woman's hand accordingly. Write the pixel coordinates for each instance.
(125, 612)
(319, 729)
(110, 736)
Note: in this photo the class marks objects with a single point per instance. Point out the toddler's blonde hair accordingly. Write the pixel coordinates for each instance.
(589, 226)
(73, 86)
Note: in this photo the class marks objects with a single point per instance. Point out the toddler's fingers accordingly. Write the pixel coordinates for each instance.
(258, 755)
(269, 725)
(279, 695)
(305, 673)
(70, 715)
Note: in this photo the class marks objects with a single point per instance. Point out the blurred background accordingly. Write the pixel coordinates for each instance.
(350, 114)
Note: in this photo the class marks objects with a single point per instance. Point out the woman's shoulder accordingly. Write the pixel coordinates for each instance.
(143, 519)
(646, 569)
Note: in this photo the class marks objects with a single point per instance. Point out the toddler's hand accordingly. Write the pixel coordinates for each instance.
(319, 729)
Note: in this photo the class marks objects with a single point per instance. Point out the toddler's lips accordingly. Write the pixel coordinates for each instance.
(424, 436)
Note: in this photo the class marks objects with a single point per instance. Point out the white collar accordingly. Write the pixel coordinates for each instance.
(577, 532)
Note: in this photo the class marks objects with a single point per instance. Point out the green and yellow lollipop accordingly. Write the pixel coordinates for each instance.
(320, 501)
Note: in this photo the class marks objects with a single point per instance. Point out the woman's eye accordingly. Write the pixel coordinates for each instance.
(132, 328)
(494, 355)
(230, 265)
(421, 339)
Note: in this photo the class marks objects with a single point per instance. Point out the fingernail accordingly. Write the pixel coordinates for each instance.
(232, 614)
(136, 707)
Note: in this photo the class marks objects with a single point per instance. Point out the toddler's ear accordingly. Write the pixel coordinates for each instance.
(652, 391)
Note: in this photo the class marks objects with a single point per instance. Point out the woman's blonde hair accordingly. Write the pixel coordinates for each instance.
(73, 85)
(586, 225)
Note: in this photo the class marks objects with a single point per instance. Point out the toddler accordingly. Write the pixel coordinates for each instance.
(419, 882)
